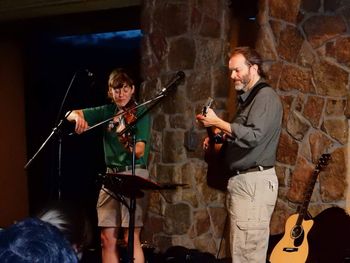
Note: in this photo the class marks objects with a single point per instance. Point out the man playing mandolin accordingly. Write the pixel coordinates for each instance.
(118, 158)
(249, 154)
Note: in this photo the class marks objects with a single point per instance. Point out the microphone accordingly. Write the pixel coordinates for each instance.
(89, 73)
(174, 82)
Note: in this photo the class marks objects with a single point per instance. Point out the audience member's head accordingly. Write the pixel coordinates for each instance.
(72, 223)
(33, 240)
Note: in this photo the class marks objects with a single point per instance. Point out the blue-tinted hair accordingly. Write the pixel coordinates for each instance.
(35, 241)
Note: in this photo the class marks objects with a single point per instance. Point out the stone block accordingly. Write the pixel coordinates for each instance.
(320, 29)
(201, 222)
(218, 217)
(313, 109)
(171, 19)
(311, 5)
(342, 51)
(336, 107)
(287, 150)
(300, 180)
(319, 144)
(337, 128)
(210, 27)
(288, 12)
(199, 86)
(177, 219)
(297, 125)
(289, 43)
(182, 54)
(174, 150)
(209, 53)
(333, 179)
(266, 44)
(294, 77)
(287, 105)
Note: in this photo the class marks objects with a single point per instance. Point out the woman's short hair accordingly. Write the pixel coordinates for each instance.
(117, 79)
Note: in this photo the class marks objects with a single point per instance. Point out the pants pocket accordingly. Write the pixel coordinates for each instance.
(103, 197)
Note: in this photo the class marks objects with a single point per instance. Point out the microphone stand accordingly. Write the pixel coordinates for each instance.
(132, 205)
(131, 129)
(56, 130)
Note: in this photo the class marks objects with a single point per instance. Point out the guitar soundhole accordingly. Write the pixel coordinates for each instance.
(297, 231)
(297, 234)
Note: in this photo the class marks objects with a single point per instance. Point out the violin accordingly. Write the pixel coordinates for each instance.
(124, 121)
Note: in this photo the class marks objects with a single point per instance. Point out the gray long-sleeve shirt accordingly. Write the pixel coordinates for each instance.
(255, 132)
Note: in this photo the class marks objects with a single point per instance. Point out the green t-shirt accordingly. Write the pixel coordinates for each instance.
(115, 153)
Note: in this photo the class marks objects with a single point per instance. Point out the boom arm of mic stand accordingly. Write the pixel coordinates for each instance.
(155, 101)
(54, 130)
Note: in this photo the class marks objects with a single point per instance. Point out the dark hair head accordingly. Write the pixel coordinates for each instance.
(33, 240)
(71, 221)
(252, 58)
(118, 78)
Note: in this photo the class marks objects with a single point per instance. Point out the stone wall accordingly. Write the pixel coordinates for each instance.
(306, 44)
(191, 36)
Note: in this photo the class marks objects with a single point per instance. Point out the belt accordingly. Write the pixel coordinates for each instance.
(117, 169)
(252, 169)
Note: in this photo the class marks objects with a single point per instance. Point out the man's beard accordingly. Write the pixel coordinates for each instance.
(243, 83)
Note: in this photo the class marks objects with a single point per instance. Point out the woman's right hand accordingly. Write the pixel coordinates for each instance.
(77, 116)
(80, 125)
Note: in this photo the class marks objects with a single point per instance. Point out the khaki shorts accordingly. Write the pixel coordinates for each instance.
(112, 213)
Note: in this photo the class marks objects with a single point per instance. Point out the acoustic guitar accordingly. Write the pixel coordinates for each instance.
(294, 247)
(215, 141)
(217, 175)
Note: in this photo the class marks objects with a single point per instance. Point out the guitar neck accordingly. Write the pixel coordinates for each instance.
(210, 132)
(323, 161)
(307, 197)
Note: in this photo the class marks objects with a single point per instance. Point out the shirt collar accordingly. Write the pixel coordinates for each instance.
(243, 97)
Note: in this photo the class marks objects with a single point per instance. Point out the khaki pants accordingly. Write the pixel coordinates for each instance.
(112, 213)
(251, 200)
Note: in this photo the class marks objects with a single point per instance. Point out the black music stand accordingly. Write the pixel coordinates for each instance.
(124, 185)
(128, 185)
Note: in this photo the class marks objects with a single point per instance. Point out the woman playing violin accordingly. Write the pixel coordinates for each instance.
(118, 158)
